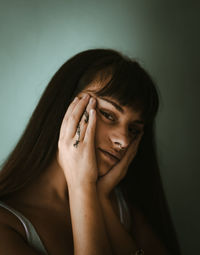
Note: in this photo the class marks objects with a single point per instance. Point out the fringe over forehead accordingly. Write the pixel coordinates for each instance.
(125, 81)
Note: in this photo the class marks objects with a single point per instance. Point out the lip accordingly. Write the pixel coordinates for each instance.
(109, 157)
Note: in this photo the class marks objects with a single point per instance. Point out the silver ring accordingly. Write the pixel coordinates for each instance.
(76, 143)
(86, 116)
(78, 132)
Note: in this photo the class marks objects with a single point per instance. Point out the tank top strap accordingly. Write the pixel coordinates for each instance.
(31, 234)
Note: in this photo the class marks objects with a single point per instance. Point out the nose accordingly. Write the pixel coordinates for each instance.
(120, 140)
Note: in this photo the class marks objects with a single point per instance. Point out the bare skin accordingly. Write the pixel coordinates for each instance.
(41, 203)
(46, 201)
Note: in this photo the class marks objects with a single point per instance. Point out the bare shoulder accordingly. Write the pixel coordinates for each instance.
(11, 235)
(9, 220)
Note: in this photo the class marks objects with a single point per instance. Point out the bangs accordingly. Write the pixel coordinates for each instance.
(131, 86)
(125, 81)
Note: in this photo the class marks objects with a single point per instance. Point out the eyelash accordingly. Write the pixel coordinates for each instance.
(136, 132)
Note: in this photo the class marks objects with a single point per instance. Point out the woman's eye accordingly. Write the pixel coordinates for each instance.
(135, 133)
(107, 115)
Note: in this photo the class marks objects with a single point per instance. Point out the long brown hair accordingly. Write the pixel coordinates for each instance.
(131, 85)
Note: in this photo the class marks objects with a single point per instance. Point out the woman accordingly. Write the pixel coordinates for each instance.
(79, 182)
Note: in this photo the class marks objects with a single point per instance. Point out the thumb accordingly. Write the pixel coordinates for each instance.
(132, 151)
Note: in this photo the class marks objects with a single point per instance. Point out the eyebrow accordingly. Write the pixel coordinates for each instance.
(119, 108)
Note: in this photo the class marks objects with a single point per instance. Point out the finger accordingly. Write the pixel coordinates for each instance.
(72, 106)
(67, 114)
(122, 166)
(132, 150)
(75, 116)
(85, 118)
(91, 127)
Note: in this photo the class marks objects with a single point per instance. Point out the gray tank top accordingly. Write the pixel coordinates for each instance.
(33, 238)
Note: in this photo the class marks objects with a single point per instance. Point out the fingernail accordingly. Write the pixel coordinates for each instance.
(92, 111)
(92, 100)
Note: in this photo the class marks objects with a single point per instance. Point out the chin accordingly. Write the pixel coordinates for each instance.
(103, 170)
(103, 166)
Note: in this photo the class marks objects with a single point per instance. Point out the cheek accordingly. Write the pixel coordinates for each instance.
(101, 130)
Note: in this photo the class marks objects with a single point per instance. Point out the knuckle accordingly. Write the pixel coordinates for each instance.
(65, 119)
(73, 118)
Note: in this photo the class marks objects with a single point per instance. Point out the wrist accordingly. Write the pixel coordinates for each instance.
(82, 188)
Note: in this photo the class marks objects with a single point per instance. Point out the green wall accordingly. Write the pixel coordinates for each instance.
(36, 37)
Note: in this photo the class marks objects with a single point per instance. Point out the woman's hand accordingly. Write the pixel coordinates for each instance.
(78, 160)
(106, 183)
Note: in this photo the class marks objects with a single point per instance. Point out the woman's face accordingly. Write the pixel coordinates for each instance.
(114, 125)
